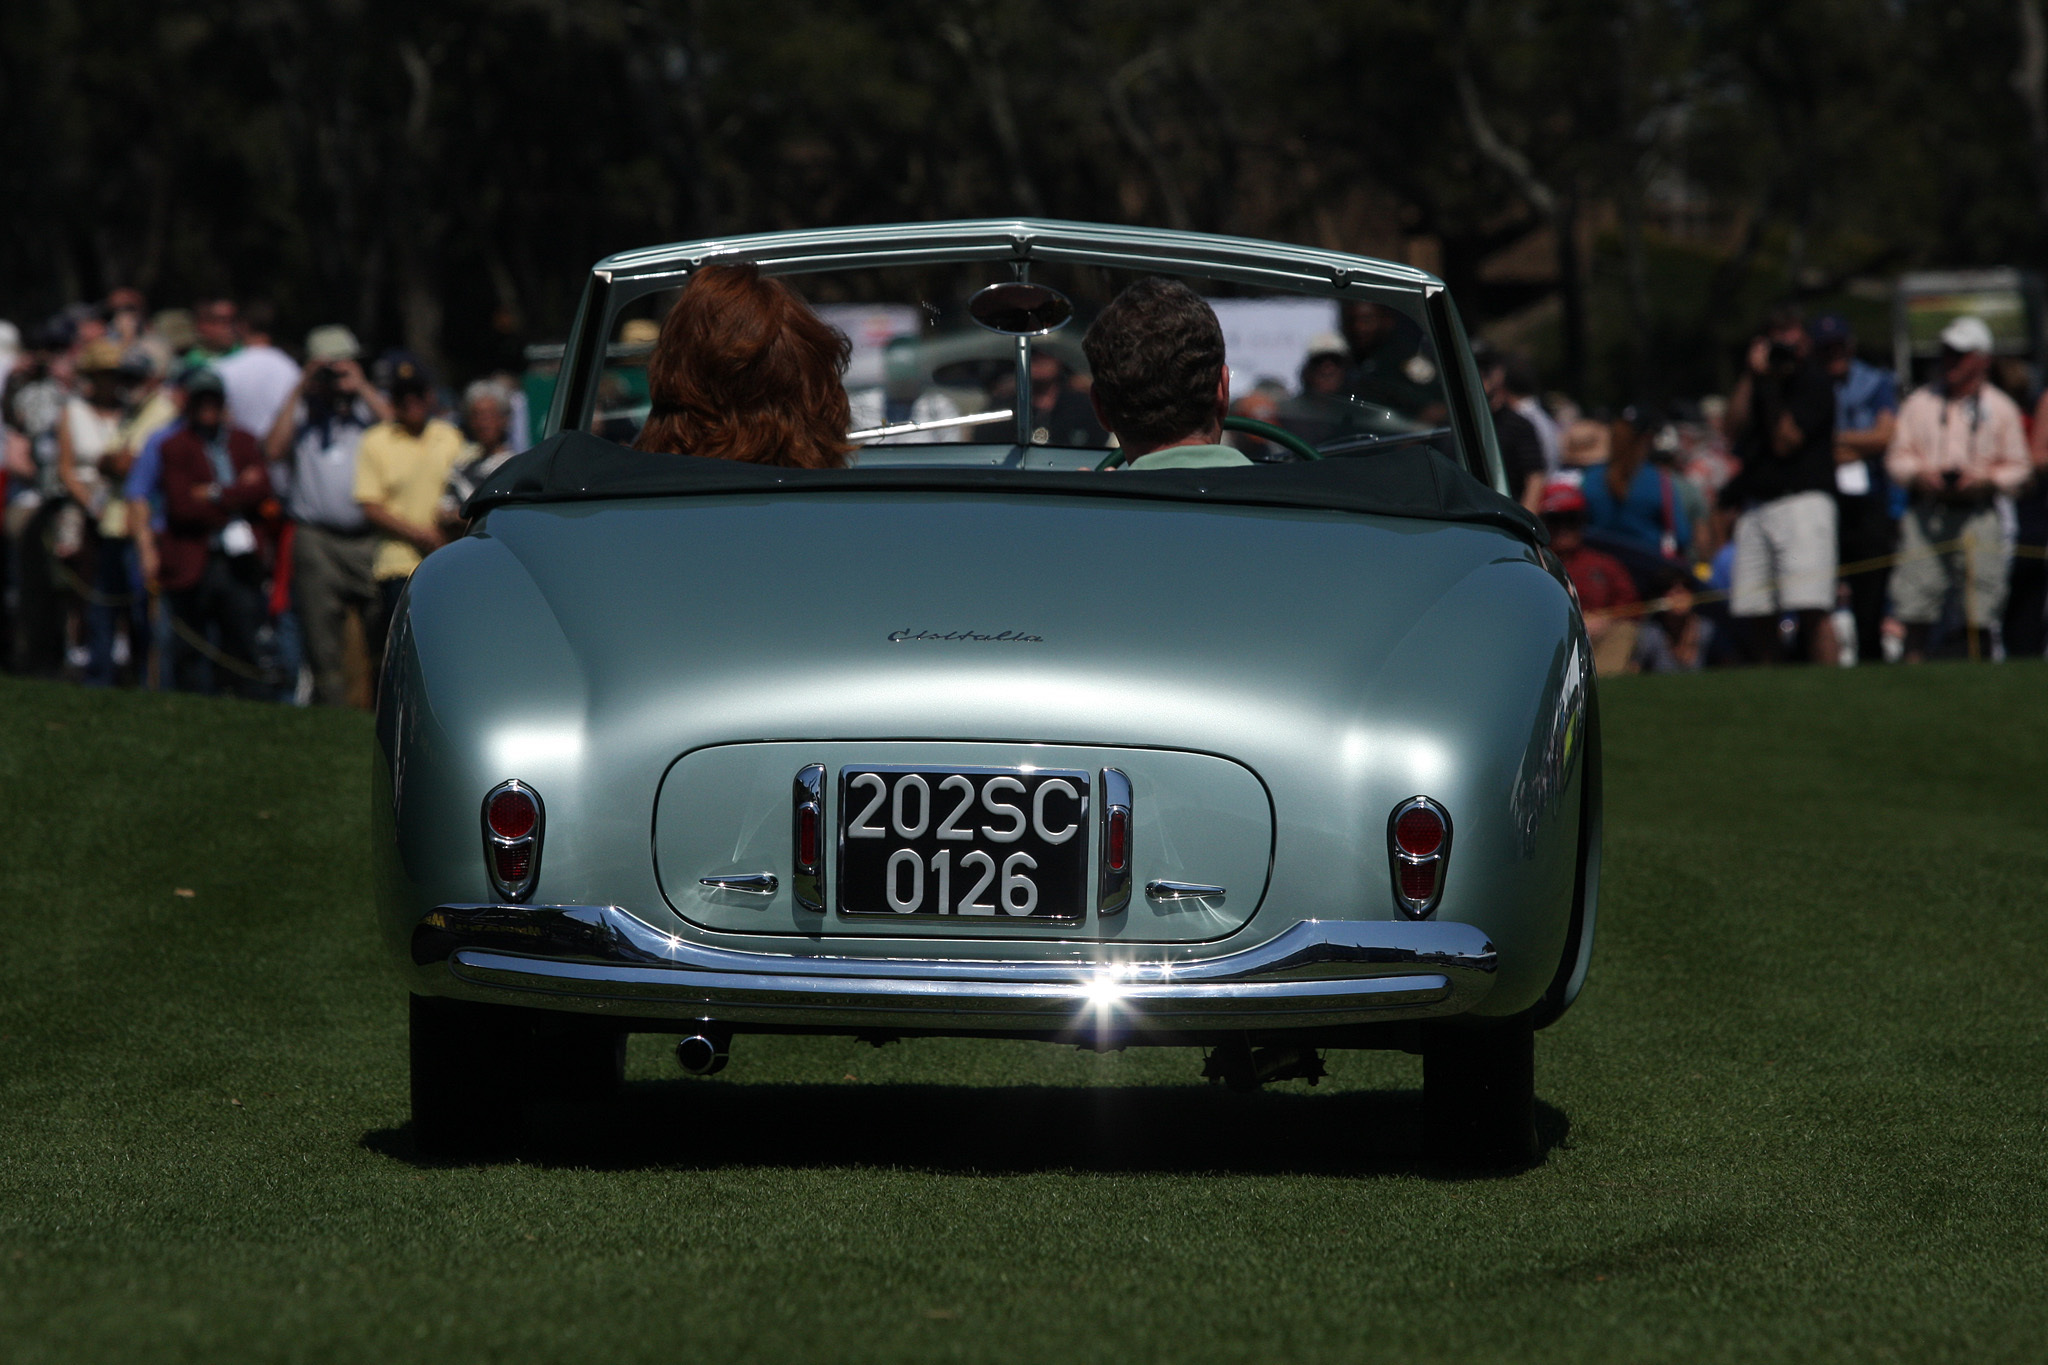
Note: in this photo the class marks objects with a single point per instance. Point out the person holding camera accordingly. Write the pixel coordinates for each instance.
(1783, 412)
(1960, 443)
(334, 549)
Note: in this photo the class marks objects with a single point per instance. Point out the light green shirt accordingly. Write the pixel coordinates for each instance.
(1190, 457)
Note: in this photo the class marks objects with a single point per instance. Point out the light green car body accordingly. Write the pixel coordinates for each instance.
(1274, 682)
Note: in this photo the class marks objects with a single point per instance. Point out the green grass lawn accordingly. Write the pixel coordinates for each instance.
(1801, 1111)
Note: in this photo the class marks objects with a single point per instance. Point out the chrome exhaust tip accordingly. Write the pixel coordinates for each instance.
(700, 1055)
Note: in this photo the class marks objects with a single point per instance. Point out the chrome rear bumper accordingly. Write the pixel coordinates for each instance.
(602, 959)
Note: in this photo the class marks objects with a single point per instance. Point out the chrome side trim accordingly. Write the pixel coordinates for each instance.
(605, 958)
(753, 883)
(1183, 891)
(807, 794)
(1116, 885)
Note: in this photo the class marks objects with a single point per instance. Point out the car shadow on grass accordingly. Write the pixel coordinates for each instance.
(984, 1130)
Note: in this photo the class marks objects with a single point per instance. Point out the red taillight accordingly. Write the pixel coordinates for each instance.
(1418, 881)
(512, 814)
(1419, 849)
(512, 819)
(1419, 831)
(1118, 853)
(513, 863)
(807, 837)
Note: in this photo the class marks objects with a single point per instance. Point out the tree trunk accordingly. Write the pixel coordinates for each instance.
(2030, 82)
(1571, 292)
(1643, 374)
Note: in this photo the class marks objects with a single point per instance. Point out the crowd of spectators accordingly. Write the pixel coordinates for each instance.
(1809, 514)
(191, 506)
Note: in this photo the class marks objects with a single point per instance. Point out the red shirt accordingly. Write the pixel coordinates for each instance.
(196, 506)
(1603, 583)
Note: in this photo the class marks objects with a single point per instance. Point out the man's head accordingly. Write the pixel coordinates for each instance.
(411, 391)
(1520, 378)
(411, 403)
(1492, 364)
(486, 413)
(205, 400)
(1367, 326)
(1785, 330)
(1159, 377)
(1965, 355)
(126, 309)
(1322, 374)
(99, 369)
(214, 321)
(256, 321)
(1834, 343)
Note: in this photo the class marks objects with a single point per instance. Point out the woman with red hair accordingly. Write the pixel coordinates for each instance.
(744, 370)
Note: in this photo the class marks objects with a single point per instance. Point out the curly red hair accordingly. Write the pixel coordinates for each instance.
(744, 370)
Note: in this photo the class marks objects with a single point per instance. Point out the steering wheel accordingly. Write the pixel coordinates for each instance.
(1251, 426)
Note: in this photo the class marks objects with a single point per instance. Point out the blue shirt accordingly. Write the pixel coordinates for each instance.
(1639, 519)
(145, 475)
(1863, 395)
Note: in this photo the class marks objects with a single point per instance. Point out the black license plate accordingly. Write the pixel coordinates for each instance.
(991, 842)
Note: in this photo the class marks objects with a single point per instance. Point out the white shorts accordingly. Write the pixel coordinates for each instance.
(1785, 556)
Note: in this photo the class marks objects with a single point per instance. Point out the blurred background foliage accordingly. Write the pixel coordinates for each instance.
(1619, 185)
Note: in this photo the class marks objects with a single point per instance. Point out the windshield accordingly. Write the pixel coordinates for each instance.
(926, 385)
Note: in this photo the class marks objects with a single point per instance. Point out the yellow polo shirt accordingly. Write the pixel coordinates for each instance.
(406, 474)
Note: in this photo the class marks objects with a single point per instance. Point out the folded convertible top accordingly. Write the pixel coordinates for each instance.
(1405, 481)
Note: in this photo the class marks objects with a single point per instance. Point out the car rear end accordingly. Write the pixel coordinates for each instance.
(1092, 770)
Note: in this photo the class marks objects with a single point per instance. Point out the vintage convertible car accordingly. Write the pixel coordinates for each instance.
(974, 739)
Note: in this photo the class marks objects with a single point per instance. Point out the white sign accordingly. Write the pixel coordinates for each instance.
(1268, 338)
(871, 327)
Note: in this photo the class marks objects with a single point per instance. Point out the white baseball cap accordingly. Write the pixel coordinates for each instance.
(1328, 343)
(1966, 334)
(331, 343)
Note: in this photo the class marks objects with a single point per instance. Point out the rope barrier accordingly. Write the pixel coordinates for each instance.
(68, 576)
(1890, 561)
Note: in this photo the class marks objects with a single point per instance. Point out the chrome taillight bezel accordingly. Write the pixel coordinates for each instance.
(807, 802)
(1114, 891)
(495, 843)
(1398, 858)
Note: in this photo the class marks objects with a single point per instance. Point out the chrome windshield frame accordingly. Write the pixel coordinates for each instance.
(619, 280)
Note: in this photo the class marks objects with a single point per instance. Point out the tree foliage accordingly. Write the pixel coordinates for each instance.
(440, 172)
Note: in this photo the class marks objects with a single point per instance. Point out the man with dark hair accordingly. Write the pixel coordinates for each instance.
(214, 481)
(1160, 384)
(1521, 449)
(1783, 415)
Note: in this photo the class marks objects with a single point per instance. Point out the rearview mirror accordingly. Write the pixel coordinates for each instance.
(1021, 310)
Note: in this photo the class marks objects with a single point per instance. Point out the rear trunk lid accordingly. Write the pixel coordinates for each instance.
(1228, 661)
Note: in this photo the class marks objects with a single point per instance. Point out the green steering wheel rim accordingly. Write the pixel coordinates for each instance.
(1251, 426)
(1281, 436)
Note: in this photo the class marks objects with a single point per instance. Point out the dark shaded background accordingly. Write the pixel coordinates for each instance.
(1618, 186)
